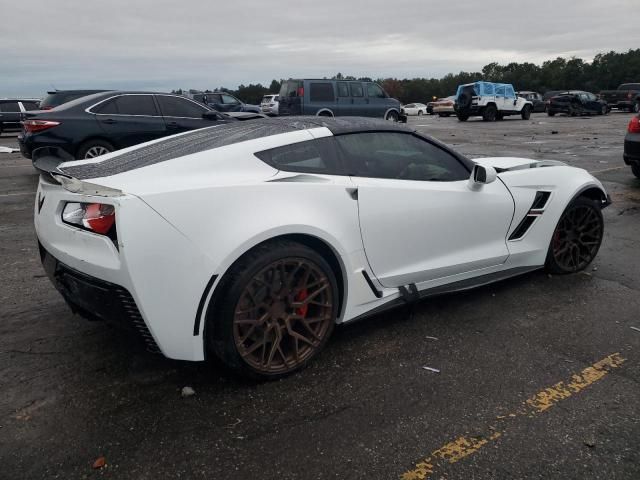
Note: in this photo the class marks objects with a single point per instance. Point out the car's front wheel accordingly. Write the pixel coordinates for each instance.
(392, 116)
(463, 117)
(526, 112)
(490, 113)
(276, 310)
(577, 237)
(94, 148)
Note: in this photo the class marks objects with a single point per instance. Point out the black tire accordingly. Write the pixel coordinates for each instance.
(222, 326)
(635, 169)
(392, 116)
(419, 112)
(636, 107)
(550, 113)
(603, 110)
(573, 247)
(90, 148)
(490, 113)
(463, 117)
(526, 112)
(499, 116)
(325, 114)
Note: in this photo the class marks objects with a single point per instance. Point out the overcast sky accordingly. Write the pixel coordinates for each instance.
(161, 45)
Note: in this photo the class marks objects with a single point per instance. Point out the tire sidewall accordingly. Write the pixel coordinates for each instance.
(219, 326)
(88, 145)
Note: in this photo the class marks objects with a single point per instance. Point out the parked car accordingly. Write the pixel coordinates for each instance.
(224, 102)
(269, 105)
(491, 101)
(337, 98)
(151, 237)
(103, 122)
(11, 110)
(632, 145)
(577, 102)
(414, 109)
(444, 107)
(58, 97)
(625, 97)
(536, 100)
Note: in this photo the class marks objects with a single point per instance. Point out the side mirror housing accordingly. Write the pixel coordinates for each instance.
(211, 115)
(481, 175)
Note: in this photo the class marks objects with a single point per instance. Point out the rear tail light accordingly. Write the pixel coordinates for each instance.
(94, 217)
(300, 92)
(33, 126)
(634, 125)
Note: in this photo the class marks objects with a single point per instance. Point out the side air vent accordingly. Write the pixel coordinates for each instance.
(537, 209)
(525, 224)
(540, 201)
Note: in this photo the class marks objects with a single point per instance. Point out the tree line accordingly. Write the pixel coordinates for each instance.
(606, 71)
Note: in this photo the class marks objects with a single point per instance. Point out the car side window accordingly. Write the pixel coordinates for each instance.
(312, 156)
(343, 89)
(9, 107)
(399, 156)
(356, 90)
(321, 92)
(500, 91)
(375, 91)
(179, 107)
(136, 105)
(229, 100)
(106, 108)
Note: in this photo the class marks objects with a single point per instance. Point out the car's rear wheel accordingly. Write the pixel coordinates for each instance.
(463, 117)
(94, 148)
(392, 116)
(277, 310)
(526, 112)
(490, 113)
(635, 168)
(419, 112)
(577, 237)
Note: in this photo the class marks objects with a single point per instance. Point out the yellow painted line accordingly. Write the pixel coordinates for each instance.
(462, 447)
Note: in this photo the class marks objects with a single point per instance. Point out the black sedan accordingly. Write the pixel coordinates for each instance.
(577, 102)
(632, 145)
(101, 123)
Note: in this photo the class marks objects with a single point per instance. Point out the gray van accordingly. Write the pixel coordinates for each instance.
(335, 98)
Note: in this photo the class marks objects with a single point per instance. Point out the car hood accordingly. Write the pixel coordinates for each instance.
(505, 164)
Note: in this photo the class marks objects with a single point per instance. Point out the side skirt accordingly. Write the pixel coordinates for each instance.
(458, 286)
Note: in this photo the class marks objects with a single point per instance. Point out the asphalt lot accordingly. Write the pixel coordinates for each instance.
(539, 376)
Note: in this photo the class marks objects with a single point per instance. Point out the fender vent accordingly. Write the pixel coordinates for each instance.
(540, 201)
(537, 209)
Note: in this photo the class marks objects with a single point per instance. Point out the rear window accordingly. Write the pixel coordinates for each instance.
(9, 107)
(290, 88)
(313, 156)
(321, 92)
(58, 98)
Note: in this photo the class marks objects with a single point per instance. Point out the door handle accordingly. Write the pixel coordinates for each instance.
(109, 121)
(172, 125)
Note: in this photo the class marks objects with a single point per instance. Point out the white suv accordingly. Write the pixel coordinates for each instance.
(491, 101)
(269, 105)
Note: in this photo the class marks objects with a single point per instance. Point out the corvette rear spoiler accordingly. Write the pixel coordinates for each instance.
(46, 161)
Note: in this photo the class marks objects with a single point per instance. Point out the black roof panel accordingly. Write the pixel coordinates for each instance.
(221, 135)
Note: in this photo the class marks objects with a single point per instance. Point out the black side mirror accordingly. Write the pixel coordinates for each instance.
(211, 115)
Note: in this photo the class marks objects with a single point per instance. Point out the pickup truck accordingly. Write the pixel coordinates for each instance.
(626, 97)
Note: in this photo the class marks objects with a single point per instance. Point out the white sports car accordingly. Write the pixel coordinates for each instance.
(251, 240)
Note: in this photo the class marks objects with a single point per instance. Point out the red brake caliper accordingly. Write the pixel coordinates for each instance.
(302, 294)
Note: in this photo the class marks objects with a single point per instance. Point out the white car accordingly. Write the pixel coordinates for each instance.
(270, 105)
(251, 240)
(414, 109)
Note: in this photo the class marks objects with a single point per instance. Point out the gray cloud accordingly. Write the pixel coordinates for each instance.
(160, 45)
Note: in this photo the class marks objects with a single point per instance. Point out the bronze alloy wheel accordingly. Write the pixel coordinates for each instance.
(283, 315)
(577, 237)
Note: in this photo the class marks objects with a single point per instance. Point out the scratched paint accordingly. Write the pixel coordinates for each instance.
(462, 447)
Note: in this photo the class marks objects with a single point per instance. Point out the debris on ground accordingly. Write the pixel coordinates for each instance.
(431, 369)
(431, 338)
(99, 463)
(554, 132)
(589, 442)
(188, 392)
(636, 329)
